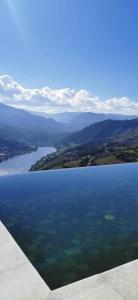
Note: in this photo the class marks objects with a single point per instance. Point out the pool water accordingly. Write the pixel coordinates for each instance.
(73, 223)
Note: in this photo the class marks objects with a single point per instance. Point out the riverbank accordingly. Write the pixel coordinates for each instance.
(6, 153)
(96, 156)
(23, 162)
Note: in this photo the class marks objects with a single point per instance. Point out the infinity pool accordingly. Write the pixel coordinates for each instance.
(73, 223)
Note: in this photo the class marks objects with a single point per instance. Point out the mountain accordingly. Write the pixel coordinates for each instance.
(105, 131)
(22, 130)
(27, 128)
(105, 142)
(75, 121)
(23, 119)
(65, 117)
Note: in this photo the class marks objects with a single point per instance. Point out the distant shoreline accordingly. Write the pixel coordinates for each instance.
(21, 163)
(18, 153)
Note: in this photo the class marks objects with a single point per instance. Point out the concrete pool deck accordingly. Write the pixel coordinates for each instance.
(19, 280)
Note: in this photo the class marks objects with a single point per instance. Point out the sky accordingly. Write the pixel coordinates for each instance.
(76, 55)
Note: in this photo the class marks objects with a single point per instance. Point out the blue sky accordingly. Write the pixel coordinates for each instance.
(89, 45)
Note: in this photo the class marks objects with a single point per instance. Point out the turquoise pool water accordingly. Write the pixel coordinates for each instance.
(73, 223)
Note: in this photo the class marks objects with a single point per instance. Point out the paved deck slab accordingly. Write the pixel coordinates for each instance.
(117, 284)
(18, 278)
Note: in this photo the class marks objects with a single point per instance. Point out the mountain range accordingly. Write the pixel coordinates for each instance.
(105, 131)
(23, 131)
(24, 127)
(24, 119)
(75, 121)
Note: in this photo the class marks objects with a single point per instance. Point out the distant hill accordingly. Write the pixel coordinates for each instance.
(75, 121)
(24, 119)
(65, 117)
(27, 128)
(109, 130)
(9, 148)
(22, 129)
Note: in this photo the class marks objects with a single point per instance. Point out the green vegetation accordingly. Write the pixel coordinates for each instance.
(106, 142)
(100, 155)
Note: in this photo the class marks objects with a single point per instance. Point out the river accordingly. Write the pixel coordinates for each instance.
(22, 163)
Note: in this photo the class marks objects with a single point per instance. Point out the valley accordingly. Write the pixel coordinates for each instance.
(82, 139)
(21, 132)
(106, 142)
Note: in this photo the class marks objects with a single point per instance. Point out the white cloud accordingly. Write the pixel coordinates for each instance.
(49, 100)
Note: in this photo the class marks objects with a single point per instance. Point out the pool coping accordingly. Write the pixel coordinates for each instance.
(19, 280)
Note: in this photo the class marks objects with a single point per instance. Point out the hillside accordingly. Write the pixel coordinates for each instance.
(105, 142)
(23, 119)
(105, 131)
(26, 128)
(22, 132)
(9, 148)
